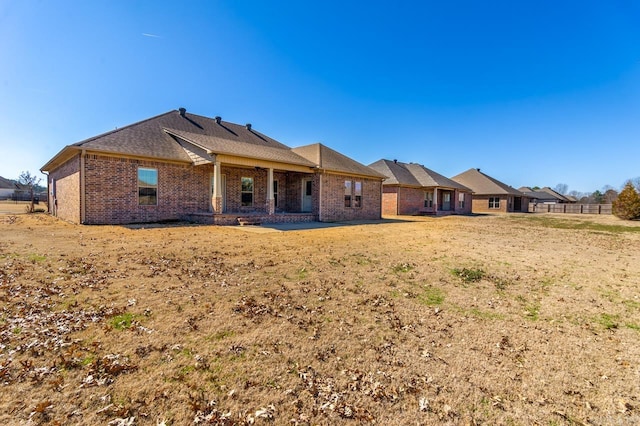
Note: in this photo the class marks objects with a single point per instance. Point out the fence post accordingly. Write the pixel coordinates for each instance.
(581, 208)
(599, 208)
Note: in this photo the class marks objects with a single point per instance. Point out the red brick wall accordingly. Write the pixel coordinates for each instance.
(467, 203)
(111, 189)
(66, 204)
(411, 201)
(389, 200)
(333, 208)
(481, 204)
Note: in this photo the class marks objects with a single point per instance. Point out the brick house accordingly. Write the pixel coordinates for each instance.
(490, 195)
(182, 166)
(413, 189)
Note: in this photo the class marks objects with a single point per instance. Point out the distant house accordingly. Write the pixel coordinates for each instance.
(182, 166)
(12, 189)
(413, 189)
(545, 195)
(7, 187)
(490, 195)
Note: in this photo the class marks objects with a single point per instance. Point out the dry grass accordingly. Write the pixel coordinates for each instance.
(462, 320)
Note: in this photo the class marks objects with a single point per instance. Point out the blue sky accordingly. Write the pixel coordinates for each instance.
(531, 92)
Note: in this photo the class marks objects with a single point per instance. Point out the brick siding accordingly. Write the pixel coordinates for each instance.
(111, 190)
(111, 193)
(65, 203)
(481, 204)
(390, 200)
(333, 208)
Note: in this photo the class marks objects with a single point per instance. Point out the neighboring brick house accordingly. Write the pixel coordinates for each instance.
(546, 195)
(491, 195)
(413, 189)
(182, 166)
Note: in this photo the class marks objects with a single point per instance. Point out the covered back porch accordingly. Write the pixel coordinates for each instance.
(256, 191)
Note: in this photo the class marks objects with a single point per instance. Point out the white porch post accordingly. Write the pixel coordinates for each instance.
(271, 203)
(216, 200)
(435, 200)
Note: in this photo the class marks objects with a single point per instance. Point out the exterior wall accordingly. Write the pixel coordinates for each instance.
(467, 203)
(111, 190)
(390, 200)
(332, 199)
(481, 204)
(65, 201)
(411, 201)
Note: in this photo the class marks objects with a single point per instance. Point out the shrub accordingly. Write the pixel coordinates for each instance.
(627, 206)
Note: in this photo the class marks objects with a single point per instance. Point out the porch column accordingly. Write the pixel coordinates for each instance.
(435, 200)
(271, 202)
(216, 199)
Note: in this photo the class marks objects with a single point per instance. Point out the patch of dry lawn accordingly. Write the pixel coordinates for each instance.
(368, 323)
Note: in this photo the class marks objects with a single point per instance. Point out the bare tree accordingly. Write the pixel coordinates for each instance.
(561, 188)
(30, 181)
(636, 183)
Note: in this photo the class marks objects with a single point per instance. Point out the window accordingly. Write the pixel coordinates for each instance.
(352, 194)
(147, 186)
(357, 193)
(461, 200)
(494, 202)
(428, 199)
(275, 193)
(247, 191)
(347, 193)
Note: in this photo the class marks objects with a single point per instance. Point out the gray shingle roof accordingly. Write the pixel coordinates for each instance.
(7, 184)
(217, 145)
(483, 184)
(328, 159)
(148, 138)
(411, 174)
(554, 193)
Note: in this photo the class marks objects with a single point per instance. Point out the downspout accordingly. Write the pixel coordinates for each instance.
(320, 198)
(82, 188)
(320, 205)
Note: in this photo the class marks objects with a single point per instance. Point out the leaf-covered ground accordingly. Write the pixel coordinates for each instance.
(459, 320)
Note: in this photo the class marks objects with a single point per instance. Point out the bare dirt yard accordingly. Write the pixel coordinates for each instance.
(519, 319)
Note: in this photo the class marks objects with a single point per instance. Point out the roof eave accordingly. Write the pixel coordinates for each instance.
(64, 155)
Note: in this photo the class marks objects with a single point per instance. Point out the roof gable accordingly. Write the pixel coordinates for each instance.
(412, 174)
(483, 184)
(327, 159)
(216, 145)
(555, 194)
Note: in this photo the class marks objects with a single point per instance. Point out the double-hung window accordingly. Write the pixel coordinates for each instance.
(246, 191)
(147, 186)
(357, 194)
(352, 194)
(428, 199)
(461, 200)
(347, 193)
(494, 202)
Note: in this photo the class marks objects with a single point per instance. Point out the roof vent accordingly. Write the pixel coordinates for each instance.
(248, 126)
(478, 169)
(218, 118)
(182, 111)
(395, 161)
